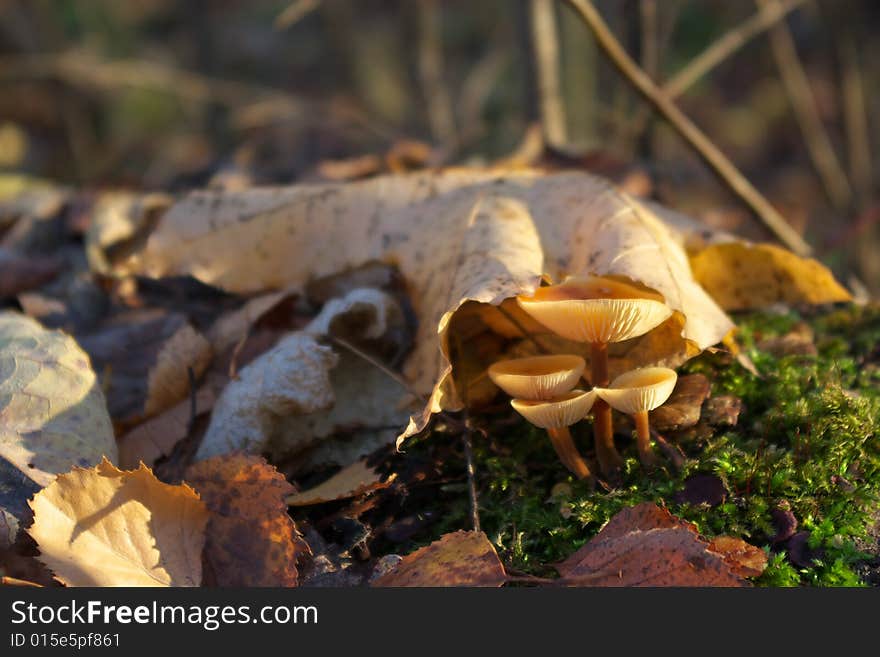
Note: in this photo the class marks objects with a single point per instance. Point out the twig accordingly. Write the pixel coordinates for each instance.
(295, 12)
(5, 580)
(855, 119)
(797, 87)
(193, 393)
(430, 57)
(649, 56)
(471, 476)
(545, 46)
(728, 44)
(704, 147)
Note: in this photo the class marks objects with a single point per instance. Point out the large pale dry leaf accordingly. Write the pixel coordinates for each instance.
(108, 527)
(646, 545)
(251, 541)
(353, 480)
(459, 559)
(288, 398)
(53, 412)
(455, 236)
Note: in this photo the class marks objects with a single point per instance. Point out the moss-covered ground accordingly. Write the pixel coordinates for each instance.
(808, 437)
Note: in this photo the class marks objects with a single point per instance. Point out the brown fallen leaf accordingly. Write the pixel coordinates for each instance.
(156, 437)
(744, 559)
(251, 541)
(461, 558)
(352, 481)
(108, 527)
(19, 273)
(682, 409)
(144, 356)
(647, 546)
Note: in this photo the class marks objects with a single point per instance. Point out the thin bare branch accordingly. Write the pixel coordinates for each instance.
(797, 87)
(858, 138)
(545, 45)
(295, 12)
(727, 45)
(438, 101)
(704, 147)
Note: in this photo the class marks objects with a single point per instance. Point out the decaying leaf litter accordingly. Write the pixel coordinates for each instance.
(418, 271)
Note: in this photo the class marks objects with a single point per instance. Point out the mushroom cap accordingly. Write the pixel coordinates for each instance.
(557, 413)
(537, 377)
(596, 309)
(639, 390)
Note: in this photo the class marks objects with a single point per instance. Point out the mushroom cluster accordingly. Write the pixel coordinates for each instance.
(597, 311)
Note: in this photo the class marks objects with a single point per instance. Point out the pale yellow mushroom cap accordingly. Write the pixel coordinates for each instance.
(537, 377)
(561, 412)
(596, 309)
(639, 390)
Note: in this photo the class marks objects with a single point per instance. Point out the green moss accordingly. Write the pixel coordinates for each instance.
(808, 436)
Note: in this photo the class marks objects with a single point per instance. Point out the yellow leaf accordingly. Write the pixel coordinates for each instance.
(741, 276)
(108, 527)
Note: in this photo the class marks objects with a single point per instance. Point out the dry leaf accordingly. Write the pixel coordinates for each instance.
(352, 481)
(108, 527)
(19, 273)
(144, 355)
(744, 559)
(458, 559)
(682, 409)
(54, 414)
(157, 436)
(168, 381)
(287, 399)
(647, 546)
(741, 276)
(455, 236)
(251, 541)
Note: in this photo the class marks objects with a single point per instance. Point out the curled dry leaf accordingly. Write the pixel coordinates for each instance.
(251, 541)
(462, 558)
(456, 236)
(53, 412)
(287, 399)
(108, 527)
(647, 546)
(352, 481)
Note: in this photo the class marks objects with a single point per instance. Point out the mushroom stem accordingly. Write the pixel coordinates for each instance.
(643, 439)
(610, 461)
(567, 452)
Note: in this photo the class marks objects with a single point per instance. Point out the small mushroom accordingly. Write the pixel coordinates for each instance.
(542, 385)
(537, 377)
(556, 416)
(637, 392)
(598, 310)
